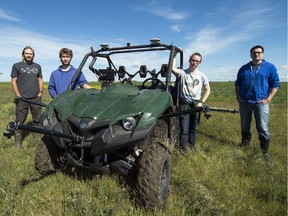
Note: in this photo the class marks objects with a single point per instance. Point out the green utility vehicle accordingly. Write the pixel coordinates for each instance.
(126, 126)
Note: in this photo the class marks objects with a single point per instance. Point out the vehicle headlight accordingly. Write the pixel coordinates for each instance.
(129, 123)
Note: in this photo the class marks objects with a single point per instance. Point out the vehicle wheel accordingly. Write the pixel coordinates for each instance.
(46, 156)
(154, 170)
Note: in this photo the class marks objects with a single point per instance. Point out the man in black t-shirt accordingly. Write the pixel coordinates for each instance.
(27, 84)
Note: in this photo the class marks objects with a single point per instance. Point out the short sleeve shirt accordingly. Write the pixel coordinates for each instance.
(191, 84)
(27, 78)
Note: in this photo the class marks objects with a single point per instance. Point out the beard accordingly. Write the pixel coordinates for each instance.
(28, 59)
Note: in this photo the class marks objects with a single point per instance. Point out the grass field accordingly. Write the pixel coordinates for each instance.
(219, 178)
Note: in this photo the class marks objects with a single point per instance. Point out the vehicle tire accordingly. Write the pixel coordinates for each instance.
(46, 156)
(154, 170)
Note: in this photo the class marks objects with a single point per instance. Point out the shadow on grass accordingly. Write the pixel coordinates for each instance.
(126, 181)
(223, 141)
(25, 182)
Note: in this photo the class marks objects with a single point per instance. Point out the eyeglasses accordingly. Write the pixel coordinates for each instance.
(194, 60)
(257, 53)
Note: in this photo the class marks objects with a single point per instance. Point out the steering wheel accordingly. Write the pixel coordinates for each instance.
(127, 80)
(154, 83)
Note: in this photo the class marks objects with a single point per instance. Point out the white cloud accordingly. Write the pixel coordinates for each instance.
(14, 39)
(47, 49)
(220, 73)
(168, 13)
(253, 12)
(4, 15)
(283, 67)
(175, 28)
(45, 46)
(162, 10)
(240, 27)
(212, 40)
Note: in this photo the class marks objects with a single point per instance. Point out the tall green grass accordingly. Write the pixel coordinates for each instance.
(219, 178)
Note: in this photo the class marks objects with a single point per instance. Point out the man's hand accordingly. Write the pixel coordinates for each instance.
(86, 86)
(16, 99)
(200, 104)
(265, 101)
(239, 99)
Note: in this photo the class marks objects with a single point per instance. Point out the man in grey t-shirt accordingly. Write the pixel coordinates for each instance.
(27, 84)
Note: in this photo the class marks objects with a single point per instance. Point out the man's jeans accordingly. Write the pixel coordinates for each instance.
(188, 126)
(261, 115)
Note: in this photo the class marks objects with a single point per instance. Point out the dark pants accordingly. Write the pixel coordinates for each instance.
(188, 126)
(23, 107)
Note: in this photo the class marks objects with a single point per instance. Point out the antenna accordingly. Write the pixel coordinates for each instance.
(173, 39)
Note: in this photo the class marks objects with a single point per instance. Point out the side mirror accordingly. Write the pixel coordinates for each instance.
(143, 71)
(164, 70)
(121, 72)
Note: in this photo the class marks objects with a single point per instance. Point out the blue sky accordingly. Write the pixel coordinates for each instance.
(223, 31)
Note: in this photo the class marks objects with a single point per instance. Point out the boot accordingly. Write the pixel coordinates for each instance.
(18, 138)
(245, 140)
(264, 145)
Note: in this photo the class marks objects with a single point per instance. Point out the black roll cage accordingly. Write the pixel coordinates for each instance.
(106, 52)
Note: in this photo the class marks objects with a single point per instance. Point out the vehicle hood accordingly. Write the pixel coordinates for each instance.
(114, 102)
